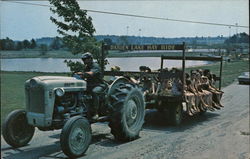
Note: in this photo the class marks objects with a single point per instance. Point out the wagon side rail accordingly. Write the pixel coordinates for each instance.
(158, 74)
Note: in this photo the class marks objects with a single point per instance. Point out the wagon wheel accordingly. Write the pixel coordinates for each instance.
(176, 113)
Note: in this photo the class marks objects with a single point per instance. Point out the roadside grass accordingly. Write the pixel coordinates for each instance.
(230, 70)
(12, 83)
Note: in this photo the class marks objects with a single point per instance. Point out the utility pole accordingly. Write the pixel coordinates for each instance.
(236, 24)
(229, 31)
(139, 36)
(127, 29)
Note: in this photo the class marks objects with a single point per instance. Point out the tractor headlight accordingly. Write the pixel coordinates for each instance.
(60, 92)
(33, 82)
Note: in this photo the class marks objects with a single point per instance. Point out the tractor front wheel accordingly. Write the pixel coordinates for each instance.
(75, 137)
(16, 130)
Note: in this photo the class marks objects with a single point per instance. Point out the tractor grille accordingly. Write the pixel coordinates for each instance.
(36, 99)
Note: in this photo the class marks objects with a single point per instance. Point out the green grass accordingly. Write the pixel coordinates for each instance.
(230, 72)
(12, 83)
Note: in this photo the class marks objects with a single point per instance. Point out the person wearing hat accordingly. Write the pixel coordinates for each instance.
(92, 74)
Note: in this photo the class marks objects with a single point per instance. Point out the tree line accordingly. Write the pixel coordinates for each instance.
(238, 38)
(56, 43)
(9, 44)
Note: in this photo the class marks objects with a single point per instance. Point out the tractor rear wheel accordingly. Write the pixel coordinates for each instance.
(129, 111)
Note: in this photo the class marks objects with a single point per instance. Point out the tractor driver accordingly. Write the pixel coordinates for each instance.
(92, 74)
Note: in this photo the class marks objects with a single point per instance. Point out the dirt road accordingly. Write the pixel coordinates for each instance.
(223, 134)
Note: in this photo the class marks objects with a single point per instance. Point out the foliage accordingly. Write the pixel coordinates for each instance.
(74, 66)
(56, 44)
(43, 49)
(26, 44)
(74, 25)
(19, 45)
(9, 44)
(76, 28)
(108, 41)
(32, 44)
(238, 38)
(123, 40)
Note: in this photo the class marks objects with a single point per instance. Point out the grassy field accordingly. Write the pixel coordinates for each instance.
(12, 83)
(231, 70)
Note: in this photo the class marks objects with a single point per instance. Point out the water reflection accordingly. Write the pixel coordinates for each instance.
(58, 65)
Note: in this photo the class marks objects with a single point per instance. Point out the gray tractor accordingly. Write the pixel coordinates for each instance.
(54, 102)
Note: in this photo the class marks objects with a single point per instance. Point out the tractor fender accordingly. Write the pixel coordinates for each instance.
(116, 83)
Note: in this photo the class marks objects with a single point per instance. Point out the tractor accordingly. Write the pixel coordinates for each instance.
(57, 102)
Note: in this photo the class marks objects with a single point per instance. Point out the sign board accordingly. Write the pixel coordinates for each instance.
(145, 47)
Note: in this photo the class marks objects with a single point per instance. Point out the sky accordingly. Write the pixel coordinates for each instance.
(19, 21)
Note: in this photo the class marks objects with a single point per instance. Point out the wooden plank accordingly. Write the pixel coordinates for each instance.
(161, 75)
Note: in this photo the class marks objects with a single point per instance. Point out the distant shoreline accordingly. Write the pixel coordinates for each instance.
(66, 54)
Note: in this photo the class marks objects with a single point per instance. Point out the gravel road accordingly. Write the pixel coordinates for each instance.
(223, 134)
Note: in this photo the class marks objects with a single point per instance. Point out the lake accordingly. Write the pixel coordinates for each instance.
(58, 65)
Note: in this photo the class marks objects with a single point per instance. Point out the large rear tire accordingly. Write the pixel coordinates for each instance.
(176, 114)
(129, 111)
(16, 130)
(75, 137)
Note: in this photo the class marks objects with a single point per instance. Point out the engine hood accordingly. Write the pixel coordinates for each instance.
(44, 78)
(50, 82)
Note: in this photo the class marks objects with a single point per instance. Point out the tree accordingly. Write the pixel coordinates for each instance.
(56, 44)
(32, 44)
(26, 44)
(75, 27)
(19, 45)
(7, 44)
(108, 41)
(43, 49)
(123, 40)
(76, 21)
(240, 38)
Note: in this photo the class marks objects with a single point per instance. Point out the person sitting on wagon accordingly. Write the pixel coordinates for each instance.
(195, 82)
(217, 94)
(176, 83)
(148, 85)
